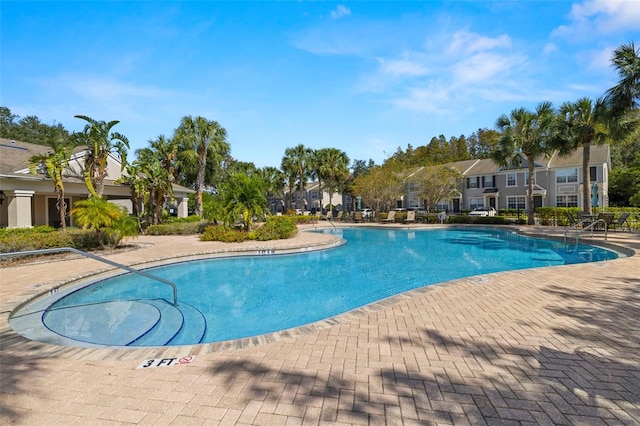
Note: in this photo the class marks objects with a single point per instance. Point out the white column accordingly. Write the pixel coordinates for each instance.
(19, 209)
(183, 207)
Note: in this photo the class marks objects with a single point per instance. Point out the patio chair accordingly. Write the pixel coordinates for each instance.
(571, 220)
(391, 217)
(358, 217)
(622, 222)
(607, 218)
(411, 217)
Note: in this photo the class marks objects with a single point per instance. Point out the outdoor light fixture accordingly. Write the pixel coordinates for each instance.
(2, 197)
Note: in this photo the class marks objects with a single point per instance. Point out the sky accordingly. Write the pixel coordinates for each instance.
(365, 77)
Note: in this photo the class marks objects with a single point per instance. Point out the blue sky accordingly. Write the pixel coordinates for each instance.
(365, 77)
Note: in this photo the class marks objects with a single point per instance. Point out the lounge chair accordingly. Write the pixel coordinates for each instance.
(607, 218)
(358, 217)
(391, 217)
(585, 218)
(571, 220)
(622, 222)
(411, 217)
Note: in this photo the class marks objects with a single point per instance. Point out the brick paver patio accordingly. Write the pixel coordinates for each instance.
(557, 345)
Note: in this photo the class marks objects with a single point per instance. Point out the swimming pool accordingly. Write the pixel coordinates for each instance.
(232, 298)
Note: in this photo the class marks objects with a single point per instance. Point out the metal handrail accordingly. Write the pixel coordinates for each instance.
(591, 226)
(100, 259)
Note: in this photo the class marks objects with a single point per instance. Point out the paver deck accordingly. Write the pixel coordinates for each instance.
(557, 345)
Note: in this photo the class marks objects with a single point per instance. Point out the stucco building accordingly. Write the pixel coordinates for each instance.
(30, 200)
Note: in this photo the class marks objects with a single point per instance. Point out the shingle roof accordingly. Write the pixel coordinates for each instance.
(14, 155)
(598, 154)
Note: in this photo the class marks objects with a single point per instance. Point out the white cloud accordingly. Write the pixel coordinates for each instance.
(608, 15)
(594, 17)
(403, 67)
(549, 48)
(430, 97)
(467, 42)
(601, 59)
(340, 12)
(101, 89)
(484, 68)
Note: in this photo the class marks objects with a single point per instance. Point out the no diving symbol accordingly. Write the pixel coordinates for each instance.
(166, 362)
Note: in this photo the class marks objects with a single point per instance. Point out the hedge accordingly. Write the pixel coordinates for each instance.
(45, 237)
(275, 228)
(177, 228)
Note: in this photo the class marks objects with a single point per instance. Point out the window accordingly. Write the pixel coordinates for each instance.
(472, 182)
(511, 179)
(567, 176)
(567, 201)
(526, 178)
(487, 182)
(442, 205)
(476, 202)
(518, 202)
(593, 174)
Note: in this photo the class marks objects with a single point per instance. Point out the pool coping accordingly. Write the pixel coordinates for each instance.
(204, 348)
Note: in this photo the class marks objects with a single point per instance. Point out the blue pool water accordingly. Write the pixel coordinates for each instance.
(230, 298)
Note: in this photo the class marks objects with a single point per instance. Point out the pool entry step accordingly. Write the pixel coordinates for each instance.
(120, 323)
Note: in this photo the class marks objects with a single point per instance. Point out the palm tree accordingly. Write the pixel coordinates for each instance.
(289, 170)
(583, 123)
(135, 179)
(157, 164)
(297, 160)
(110, 221)
(166, 150)
(201, 140)
(525, 133)
(243, 196)
(316, 161)
(334, 168)
(626, 94)
(274, 182)
(101, 143)
(55, 163)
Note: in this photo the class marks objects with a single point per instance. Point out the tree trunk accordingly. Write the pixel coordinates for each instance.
(320, 191)
(62, 207)
(202, 167)
(586, 184)
(530, 212)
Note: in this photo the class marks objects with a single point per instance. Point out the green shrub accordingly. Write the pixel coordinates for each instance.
(300, 218)
(8, 232)
(490, 220)
(83, 239)
(188, 219)
(39, 238)
(431, 218)
(462, 218)
(176, 228)
(276, 228)
(224, 234)
(400, 216)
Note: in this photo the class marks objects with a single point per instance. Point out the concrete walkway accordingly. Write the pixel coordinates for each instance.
(557, 345)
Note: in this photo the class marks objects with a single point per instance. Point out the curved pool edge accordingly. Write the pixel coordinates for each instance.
(10, 341)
